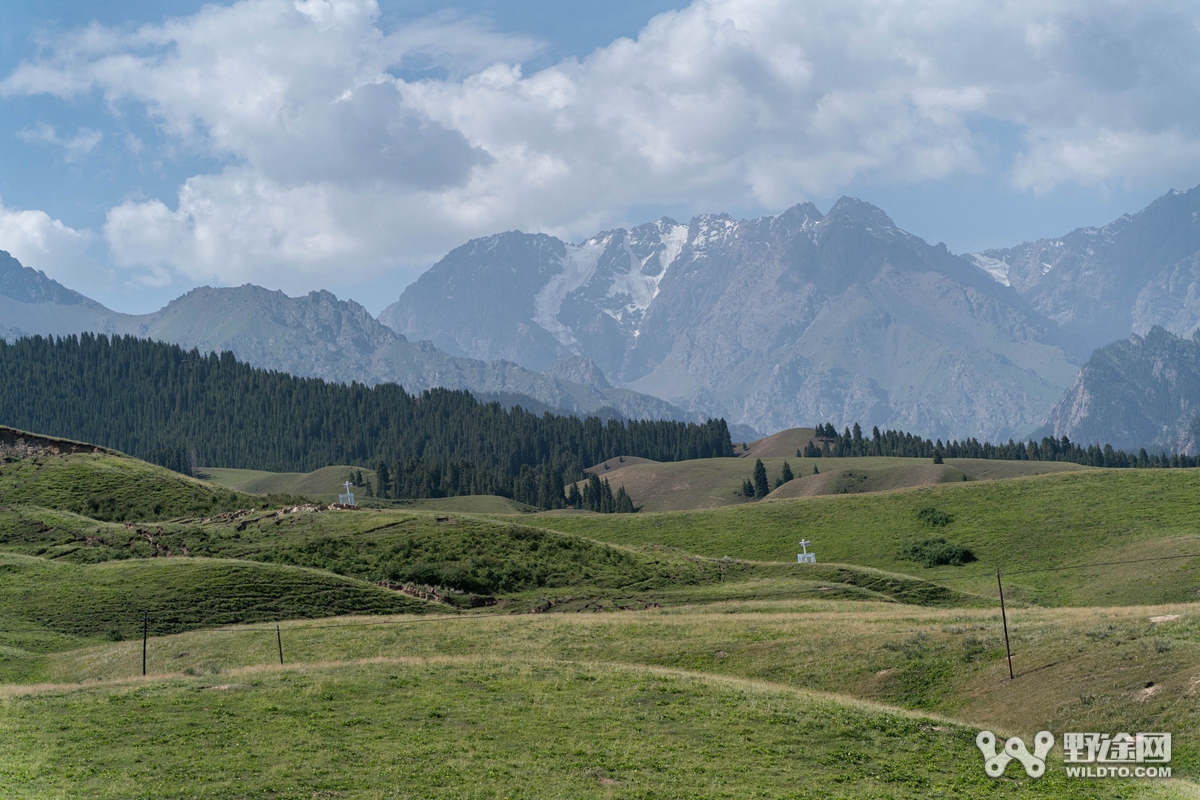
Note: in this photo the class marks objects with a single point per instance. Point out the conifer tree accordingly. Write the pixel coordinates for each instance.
(761, 487)
(785, 474)
(383, 480)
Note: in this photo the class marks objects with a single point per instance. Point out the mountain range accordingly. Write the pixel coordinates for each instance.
(1141, 391)
(317, 336)
(1101, 284)
(773, 322)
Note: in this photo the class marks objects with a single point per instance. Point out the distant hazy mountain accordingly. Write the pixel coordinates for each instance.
(31, 303)
(314, 336)
(1101, 284)
(775, 322)
(1143, 391)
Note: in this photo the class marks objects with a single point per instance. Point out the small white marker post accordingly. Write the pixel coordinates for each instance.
(347, 499)
(806, 557)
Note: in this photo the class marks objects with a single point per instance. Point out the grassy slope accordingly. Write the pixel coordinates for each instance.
(783, 444)
(324, 483)
(1024, 523)
(479, 728)
(426, 728)
(115, 488)
(48, 606)
(1073, 666)
(717, 482)
(873, 479)
(529, 566)
(1076, 670)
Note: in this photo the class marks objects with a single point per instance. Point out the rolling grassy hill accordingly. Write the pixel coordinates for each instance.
(1050, 520)
(660, 703)
(717, 482)
(783, 444)
(479, 728)
(324, 484)
(177, 594)
(731, 670)
(468, 557)
(113, 487)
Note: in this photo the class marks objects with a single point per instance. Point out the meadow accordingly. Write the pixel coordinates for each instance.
(570, 654)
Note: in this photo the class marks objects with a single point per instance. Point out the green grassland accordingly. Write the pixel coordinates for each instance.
(1051, 520)
(708, 664)
(114, 487)
(1072, 666)
(717, 482)
(483, 728)
(476, 558)
(655, 685)
(324, 484)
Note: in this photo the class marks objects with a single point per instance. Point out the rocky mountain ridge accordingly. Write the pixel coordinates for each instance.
(774, 322)
(1101, 284)
(316, 335)
(1142, 391)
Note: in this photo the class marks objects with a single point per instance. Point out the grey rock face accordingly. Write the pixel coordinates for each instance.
(18, 282)
(578, 370)
(32, 303)
(772, 322)
(1143, 391)
(1100, 284)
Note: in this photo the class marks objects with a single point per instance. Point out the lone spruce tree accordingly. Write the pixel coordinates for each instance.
(761, 487)
(785, 474)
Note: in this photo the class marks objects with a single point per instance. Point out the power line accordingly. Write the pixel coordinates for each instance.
(1102, 564)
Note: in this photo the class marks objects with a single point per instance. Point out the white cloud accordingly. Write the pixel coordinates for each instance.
(74, 147)
(336, 165)
(40, 242)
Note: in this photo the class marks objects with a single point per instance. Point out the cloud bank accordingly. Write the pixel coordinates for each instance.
(340, 162)
(41, 242)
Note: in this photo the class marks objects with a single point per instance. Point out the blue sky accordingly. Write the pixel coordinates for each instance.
(146, 148)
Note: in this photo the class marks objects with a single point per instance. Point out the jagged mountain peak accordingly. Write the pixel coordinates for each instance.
(1098, 284)
(578, 369)
(27, 285)
(800, 213)
(862, 213)
(1139, 391)
(772, 321)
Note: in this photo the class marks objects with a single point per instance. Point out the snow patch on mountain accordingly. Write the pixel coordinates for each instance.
(992, 266)
(579, 265)
(641, 283)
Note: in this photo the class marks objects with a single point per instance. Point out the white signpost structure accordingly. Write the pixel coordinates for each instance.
(347, 499)
(806, 557)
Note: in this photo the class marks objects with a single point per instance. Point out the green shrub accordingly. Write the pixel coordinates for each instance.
(934, 518)
(937, 552)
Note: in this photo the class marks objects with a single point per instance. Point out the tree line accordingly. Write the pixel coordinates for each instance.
(852, 442)
(182, 408)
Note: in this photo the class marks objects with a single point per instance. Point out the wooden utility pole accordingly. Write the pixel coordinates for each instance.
(1004, 617)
